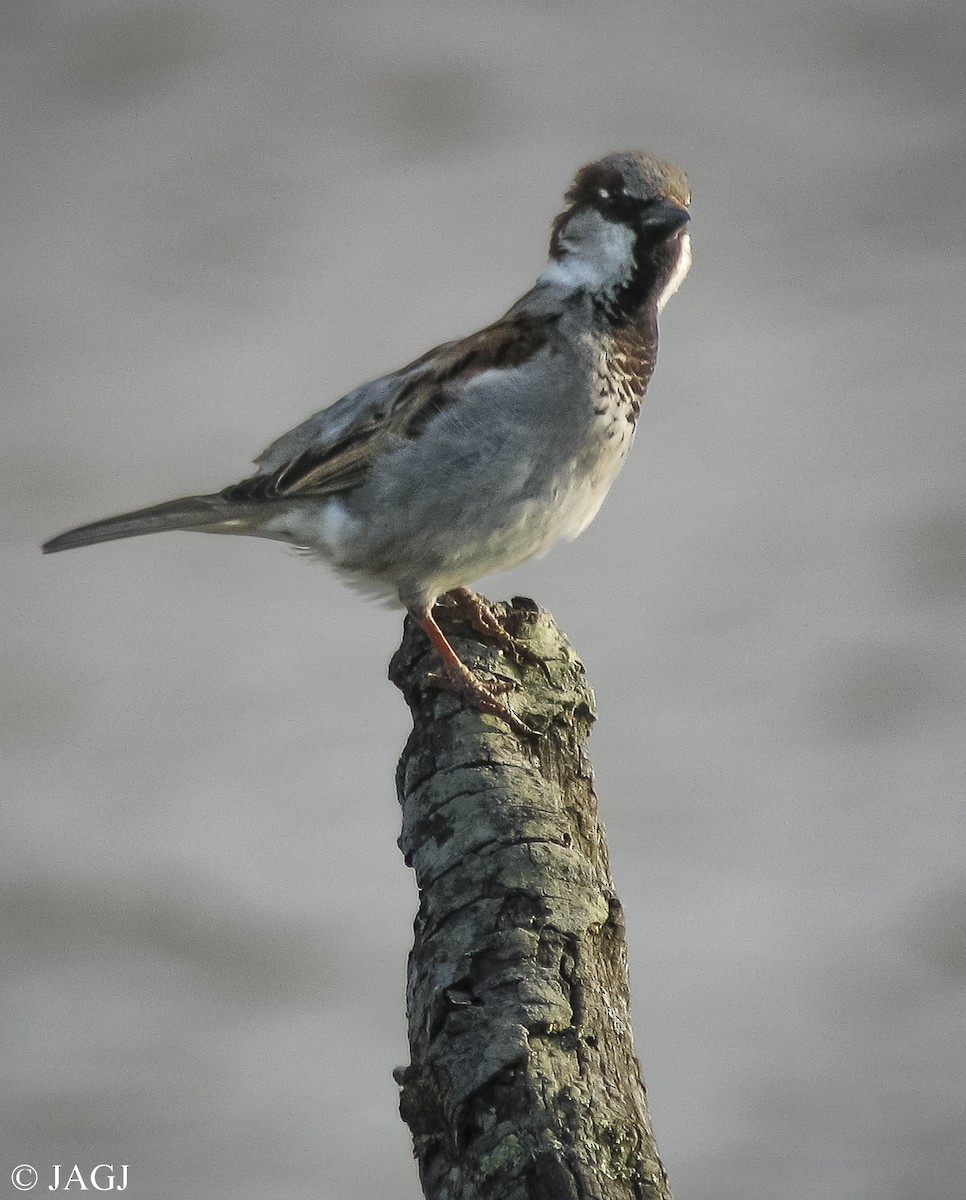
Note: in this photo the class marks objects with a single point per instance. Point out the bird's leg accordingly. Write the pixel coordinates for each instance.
(457, 672)
(457, 676)
(477, 611)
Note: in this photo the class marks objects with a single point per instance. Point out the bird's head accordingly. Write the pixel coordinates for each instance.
(623, 237)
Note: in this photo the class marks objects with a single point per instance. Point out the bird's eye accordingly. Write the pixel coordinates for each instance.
(603, 193)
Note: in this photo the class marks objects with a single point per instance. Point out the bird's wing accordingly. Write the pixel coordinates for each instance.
(334, 449)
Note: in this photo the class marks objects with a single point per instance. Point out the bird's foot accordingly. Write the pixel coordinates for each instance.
(455, 676)
(486, 696)
(482, 618)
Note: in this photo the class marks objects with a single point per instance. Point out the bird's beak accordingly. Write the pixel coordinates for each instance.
(666, 215)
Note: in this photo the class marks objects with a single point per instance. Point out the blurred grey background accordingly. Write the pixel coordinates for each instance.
(218, 217)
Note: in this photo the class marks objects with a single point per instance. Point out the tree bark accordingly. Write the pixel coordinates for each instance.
(523, 1083)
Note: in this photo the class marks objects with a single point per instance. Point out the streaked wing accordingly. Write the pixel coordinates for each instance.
(334, 449)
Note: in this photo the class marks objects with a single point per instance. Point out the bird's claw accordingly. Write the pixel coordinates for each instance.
(482, 618)
(487, 697)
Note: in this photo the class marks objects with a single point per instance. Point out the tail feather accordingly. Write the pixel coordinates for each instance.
(209, 514)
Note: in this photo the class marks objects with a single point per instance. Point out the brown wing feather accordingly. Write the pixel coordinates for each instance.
(342, 464)
(335, 469)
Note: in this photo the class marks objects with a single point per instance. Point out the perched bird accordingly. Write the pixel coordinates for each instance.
(485, 451)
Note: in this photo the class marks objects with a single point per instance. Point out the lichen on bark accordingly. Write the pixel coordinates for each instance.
(523, 1083)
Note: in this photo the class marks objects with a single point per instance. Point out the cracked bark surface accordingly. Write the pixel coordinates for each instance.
(523, 1083)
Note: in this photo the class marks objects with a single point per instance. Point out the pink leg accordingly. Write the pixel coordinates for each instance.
(458, 675)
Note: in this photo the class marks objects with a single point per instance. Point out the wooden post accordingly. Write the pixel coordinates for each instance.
(523, 1083)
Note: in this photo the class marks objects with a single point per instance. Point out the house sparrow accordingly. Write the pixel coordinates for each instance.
(485, 451)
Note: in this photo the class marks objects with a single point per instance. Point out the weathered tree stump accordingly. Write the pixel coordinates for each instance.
(523, 1083)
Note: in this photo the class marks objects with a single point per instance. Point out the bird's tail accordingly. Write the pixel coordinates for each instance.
(206, 514)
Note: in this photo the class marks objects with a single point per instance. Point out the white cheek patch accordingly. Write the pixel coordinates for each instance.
(599, 254)
(569, 272)
(680, 271)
